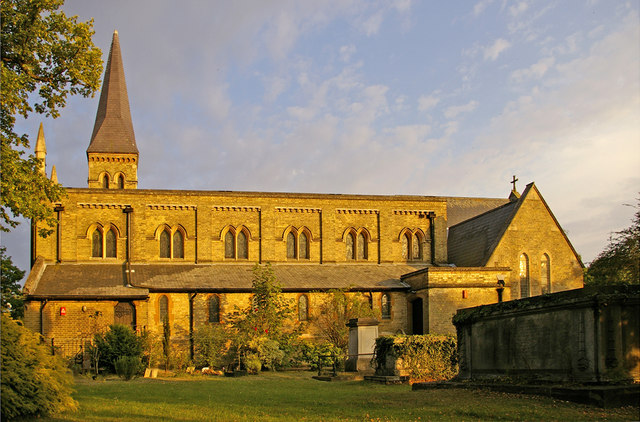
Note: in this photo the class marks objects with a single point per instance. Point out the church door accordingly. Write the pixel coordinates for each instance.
(125, 313)
(416, 311)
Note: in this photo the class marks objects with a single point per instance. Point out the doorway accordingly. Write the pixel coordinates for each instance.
(125, 313)
(416, 316)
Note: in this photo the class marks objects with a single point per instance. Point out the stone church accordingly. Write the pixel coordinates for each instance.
(137, 256)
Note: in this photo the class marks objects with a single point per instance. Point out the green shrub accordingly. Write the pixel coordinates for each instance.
(252, 363)
(119, 341)
(211, 344)
(128, 367)
(34, 383)
(323, 354)
(268, 351)
(426, 357)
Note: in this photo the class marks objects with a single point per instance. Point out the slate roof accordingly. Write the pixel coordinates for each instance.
(462, 209)
(66, 280)
(113, 129)
(471, 242)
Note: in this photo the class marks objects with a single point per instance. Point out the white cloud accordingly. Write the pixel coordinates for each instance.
(346, 51)
(453, 111)
(519, 8)
(371, 25)
(427, 102)
(535, 71)
(480, 6)
(494, 50)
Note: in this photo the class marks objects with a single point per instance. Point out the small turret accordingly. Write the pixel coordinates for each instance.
(41, 150)
(54, 174)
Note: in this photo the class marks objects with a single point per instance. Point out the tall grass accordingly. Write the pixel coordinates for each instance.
(295, 397)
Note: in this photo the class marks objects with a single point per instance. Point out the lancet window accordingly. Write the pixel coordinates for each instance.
(104, 243)
(236, 243)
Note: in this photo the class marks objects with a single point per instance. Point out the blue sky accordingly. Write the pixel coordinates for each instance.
(375, 97)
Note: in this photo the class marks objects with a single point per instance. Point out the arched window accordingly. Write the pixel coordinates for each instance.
(110, 244)
(405, 246)
(165, 244)
(362, 246)
(303, 308)
(303, 245)
(105, 181)
(121, 182)
(524, 276)
(385, 306)
(545, 274)
(416, 246)
(350, 246)
(243, 251)
(96, 244)
(214, 308)
(178, 244)
(291, 246)
(229, 245)
(163, 308)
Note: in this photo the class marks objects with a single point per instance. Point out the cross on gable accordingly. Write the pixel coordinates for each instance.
(514, 182)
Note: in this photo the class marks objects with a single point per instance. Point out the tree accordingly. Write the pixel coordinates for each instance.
(34, 382)
(10, 277)
(620, 261)
(46, 56)
(336, 311)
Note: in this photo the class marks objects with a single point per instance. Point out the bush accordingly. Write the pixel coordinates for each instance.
(323, 355)
(34, 383)
(211, 343)
(128, 367)
(119, 341)
(426, 357)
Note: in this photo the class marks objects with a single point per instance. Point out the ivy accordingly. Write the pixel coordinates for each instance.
(426, 357)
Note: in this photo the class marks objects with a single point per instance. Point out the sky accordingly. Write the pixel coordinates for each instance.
(374, 97)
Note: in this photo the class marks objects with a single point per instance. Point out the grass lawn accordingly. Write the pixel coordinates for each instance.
(295, 396)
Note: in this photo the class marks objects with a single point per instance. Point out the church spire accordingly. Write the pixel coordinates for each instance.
(113, 129)
(112, 153)
(41, 149)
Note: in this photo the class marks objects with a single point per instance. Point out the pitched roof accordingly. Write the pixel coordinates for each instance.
(462, 209)
(91, 280)
(113, 129)
(471, 242)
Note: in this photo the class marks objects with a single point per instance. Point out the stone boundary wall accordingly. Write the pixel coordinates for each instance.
(584, 335)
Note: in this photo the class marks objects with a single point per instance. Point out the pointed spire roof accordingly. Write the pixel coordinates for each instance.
(113, 129)
(54, 174)
(41, 146)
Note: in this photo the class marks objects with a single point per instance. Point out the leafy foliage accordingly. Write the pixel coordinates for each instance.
(128, 367)
(46, 56)
(212, 346)
(426, 357)
(119, 341)
(34, 383)
(265, 323)
(10, 277)
(620, 261)
(322, 354)
(336, 311)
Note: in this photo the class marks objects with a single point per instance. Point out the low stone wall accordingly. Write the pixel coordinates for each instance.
(584, 335)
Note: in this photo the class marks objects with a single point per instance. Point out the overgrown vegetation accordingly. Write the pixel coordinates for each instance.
(34, 383)
(425, 357)
(261, 331)
(336, 311)
(620, 261)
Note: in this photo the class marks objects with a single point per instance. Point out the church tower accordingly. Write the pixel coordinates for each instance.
(112, 153)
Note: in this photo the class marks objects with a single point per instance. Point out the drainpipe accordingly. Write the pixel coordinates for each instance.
(127, 211)
(58, 211)
(259, 235)
(42, 305)
(432, 235)
(196, 232)
(321, 237)
(192, 297)
(379, 237)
